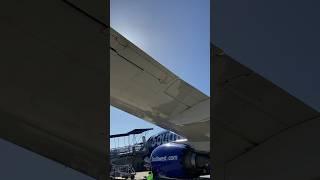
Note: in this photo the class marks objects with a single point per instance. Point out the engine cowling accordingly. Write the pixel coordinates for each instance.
(175, 160)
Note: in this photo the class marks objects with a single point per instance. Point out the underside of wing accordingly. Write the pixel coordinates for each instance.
(248, 110)
(141, 86)
(53, 82)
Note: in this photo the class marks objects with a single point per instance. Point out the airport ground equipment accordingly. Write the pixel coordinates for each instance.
(124, 171)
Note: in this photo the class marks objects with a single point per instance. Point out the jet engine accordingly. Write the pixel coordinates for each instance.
(173, 160)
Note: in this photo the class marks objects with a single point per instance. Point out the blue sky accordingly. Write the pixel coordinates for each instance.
(175, 34)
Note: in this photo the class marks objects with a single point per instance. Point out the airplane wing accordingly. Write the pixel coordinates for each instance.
(52, 65)
(141, 86)
(248, 111)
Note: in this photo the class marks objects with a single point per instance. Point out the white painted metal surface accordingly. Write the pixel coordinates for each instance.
(141, 86)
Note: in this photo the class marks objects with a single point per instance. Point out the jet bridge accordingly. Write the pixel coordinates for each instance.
(128, 152)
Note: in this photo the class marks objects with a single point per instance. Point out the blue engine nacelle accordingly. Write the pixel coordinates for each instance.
(178, 161)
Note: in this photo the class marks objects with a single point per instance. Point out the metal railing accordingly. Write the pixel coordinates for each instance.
(127, 149)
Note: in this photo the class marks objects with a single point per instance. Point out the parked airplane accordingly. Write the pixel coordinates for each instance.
(170, 155)
(141, 86)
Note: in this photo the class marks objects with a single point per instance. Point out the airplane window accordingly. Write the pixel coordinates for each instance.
(171, 137)
(166, 139)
